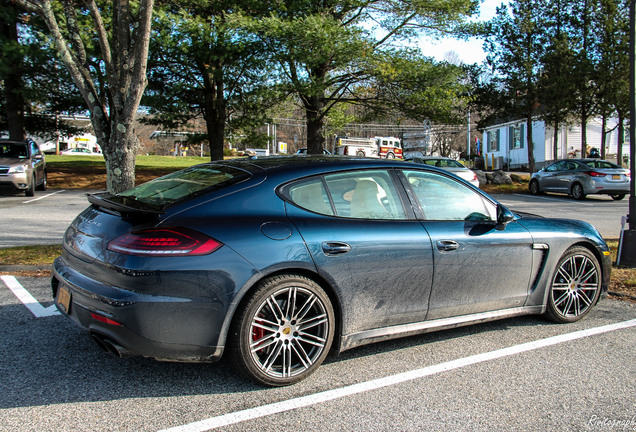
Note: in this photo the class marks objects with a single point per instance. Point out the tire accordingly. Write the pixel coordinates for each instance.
(617, 197)
(360, 153)
(283, 332)
(534, 187)
(577, 191)
(42, 186)
(575, 287)
(31, 189)
(390, 156)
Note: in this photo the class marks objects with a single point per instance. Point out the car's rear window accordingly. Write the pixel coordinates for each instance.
(601, 165)
(181, 185)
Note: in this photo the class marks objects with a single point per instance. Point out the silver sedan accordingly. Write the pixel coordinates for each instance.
(582, 177)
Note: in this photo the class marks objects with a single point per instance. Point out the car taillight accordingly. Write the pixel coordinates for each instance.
(595, 174)
(346, 151)
(164, 242)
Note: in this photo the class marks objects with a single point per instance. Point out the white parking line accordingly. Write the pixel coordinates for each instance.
(43, 196)
(301, 402)
(27, 299)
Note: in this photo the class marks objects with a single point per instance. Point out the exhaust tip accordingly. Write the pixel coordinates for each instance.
(110, 346)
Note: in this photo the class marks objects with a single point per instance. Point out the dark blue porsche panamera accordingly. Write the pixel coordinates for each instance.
(278, 261)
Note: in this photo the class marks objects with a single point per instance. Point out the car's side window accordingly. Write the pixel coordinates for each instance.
(368, 194)
(311, 195)
(559, 166)
(35, 150)
(442, 198)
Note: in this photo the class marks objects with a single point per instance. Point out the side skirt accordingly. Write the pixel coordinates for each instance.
(386, 333)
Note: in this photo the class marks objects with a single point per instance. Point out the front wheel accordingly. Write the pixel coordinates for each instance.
(575, 287)
(534, 187)
(30, 191)
(390, 156)
(577, 191)
(42, 186)
(283, 332)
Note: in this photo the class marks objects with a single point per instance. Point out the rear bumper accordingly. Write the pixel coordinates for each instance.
(608, 188)
(161, 327)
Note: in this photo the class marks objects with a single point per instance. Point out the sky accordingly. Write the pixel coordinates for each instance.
(470, 51)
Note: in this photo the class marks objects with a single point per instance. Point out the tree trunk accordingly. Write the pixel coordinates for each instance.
(621, 140)
(603, 136)
(584, 134)
(120, 152)
(313, 110)
(555, 141)
(215, 111)
(13, 80)
(531, 164)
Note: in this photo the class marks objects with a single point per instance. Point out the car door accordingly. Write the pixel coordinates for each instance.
(367, 244)
(552, 177)
(479, 265)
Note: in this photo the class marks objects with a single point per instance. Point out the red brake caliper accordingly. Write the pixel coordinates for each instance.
(257, 332)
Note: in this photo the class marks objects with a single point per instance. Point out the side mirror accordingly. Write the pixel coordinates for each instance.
(504, 217)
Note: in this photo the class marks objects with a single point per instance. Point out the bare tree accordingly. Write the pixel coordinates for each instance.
(113, 82)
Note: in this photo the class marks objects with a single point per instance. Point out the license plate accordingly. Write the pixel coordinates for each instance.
(616, 177)
(64, 299)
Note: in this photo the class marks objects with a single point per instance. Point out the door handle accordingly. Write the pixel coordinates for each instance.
(335, 248)
(447, 245)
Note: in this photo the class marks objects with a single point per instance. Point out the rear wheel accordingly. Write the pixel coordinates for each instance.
(577, 191)
(360, 153)
(617, 197)
(284, 331)
(534, 187)
(575, 287)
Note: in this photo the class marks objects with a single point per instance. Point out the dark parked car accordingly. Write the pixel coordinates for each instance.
(22, 166)
(582, 177)
(278, 261)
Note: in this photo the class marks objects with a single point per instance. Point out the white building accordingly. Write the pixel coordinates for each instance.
(505, 144)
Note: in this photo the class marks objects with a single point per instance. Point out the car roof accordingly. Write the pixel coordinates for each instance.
(276, 162)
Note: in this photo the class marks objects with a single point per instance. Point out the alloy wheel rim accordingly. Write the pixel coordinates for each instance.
(289, 332)
(575, 286)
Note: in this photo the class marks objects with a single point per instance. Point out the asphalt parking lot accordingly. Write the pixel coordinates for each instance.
(523, 374)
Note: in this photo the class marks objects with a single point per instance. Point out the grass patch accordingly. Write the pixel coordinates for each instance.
(30, 255)
(89, 172)
(513, 188)
(54, 162)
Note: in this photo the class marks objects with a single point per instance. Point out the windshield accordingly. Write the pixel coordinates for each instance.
(443, 163)
(13, 150)
(181, 185)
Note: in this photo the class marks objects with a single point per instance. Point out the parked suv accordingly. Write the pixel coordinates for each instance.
(22, 166)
